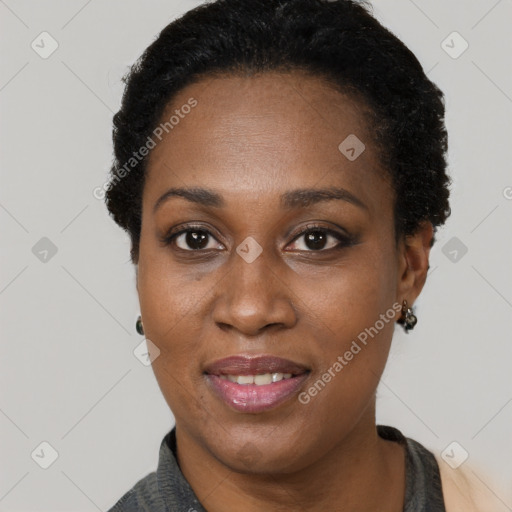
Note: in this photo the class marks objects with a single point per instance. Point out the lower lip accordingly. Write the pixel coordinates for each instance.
(251, 398)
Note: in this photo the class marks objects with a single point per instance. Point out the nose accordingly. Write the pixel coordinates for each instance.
(253, 297)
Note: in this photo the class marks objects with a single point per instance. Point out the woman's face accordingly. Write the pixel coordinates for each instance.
(276, 255)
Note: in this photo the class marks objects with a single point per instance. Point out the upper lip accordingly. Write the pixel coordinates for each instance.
(254, 365)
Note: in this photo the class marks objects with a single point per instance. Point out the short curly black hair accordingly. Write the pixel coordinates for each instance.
(338, 40)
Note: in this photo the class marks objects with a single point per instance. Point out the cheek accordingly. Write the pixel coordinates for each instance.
(352, 313)
(166, 307)
(167, 295)
(352, 345)
(348, 298)
(170, 306)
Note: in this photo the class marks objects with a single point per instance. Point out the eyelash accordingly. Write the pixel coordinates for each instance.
(343, 240)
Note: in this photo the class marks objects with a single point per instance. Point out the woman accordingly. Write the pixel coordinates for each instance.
(280, 170)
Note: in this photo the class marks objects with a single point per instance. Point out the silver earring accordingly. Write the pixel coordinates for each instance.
(408, 320)
(139, 327)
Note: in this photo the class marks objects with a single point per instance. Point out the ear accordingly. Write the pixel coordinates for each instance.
(414, 252)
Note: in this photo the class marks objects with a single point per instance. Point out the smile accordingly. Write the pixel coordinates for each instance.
(255, 384)
(259, 380)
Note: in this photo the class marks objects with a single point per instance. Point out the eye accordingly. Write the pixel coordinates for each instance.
(194, 239)
(319, 239)
(312, 239)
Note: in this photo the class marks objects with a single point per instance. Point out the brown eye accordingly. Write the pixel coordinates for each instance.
(194, 240)
(319, 239)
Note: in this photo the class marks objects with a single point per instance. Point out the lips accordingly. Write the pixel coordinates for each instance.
(255, 384)
(259, 365)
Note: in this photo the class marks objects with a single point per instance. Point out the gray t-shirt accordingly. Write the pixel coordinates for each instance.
(166, 490)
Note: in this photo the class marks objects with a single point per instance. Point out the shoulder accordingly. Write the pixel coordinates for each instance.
(143, 495)
(465, 489)
(433, 483)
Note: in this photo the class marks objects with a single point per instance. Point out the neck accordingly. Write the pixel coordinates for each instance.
(361, 472)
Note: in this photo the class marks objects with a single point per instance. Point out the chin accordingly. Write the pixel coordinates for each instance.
(255, 460)
(261, 450)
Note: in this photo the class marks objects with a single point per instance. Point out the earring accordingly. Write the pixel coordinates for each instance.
(139, 327)
(408, 320)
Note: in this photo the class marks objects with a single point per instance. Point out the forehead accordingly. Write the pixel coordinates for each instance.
(261, 132)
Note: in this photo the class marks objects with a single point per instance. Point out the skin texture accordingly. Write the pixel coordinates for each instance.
(251, 139)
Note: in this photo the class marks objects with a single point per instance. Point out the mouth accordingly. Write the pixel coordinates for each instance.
(259, 380)
(255, 384)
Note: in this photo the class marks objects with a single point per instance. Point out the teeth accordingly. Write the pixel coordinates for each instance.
(259, 380)
(245, 379)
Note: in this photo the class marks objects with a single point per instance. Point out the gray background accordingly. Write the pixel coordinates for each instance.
(68, 375)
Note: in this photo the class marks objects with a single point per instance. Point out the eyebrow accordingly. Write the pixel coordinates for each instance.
(298, 198)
